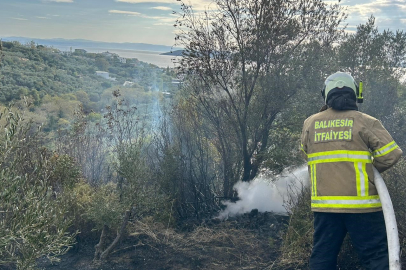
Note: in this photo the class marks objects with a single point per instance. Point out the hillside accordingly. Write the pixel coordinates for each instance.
(50, 71)
(58, 83)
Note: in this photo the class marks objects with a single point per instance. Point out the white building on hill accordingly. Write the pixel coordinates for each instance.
(105, 75)
(128, 84)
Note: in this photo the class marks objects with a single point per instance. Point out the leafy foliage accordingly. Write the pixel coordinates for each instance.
(251, 73)
(244, 63)
(33, 220)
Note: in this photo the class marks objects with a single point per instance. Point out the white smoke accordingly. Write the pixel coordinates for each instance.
(264, 194)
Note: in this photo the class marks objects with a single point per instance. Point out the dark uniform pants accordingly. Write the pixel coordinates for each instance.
(368, 236)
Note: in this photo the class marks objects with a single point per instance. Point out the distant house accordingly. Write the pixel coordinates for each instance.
(128, 84)
(109, 54)
(67, 53)
(80, 51)
(122, 60)
(103, 74)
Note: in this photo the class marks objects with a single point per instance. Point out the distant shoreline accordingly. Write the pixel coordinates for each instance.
(174, 53)
(144, 54)
(83, 44)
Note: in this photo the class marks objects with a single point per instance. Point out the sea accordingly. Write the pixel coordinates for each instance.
(152, 57)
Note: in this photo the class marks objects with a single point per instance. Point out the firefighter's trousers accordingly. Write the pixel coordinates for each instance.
(367, 232)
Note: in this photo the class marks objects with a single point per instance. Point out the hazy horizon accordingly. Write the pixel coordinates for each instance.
(145, 21)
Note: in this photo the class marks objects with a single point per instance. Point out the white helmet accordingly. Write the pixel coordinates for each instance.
(339, 80)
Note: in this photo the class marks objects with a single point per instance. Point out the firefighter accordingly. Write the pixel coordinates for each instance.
(341, 145)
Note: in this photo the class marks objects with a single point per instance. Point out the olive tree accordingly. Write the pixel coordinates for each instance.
(242, 65)
(377, 58)
(34, 219)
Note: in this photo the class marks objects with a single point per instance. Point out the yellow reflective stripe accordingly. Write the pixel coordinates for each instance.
(358, 178)
(346, 198)
(346, 201)
(340, 156)
(315, 179)
(366, 182)
(312, 179)
(337, 152)
(361, 179)
(347, 206)
(339, 160)
(385, 149)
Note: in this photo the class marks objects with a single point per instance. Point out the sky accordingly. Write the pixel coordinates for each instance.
(145, 21)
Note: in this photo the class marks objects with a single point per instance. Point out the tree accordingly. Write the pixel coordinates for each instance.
(33, 212)
(243, 61)
(135, 192)
(185, 162)
(102, 63)
(377, 59)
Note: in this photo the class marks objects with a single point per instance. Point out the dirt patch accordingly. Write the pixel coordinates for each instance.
(249, 241)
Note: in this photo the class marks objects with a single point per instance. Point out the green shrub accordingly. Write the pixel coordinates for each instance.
(33, 219)
(105, 207)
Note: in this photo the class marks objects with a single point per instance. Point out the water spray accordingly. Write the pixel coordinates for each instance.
(267, 194)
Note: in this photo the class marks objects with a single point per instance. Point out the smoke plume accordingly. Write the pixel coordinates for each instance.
(264, 194)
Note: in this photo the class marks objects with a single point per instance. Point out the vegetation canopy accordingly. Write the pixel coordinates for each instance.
(131, 171)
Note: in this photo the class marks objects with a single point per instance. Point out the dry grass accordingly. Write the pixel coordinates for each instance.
(221, 246)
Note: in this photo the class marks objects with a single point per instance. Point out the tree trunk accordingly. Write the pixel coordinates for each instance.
(99, 247)
(120, 233)
(247, 166)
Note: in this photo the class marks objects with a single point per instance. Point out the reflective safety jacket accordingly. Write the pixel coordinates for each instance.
(341, 148)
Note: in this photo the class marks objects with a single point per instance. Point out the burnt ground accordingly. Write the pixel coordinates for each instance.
(248, 241)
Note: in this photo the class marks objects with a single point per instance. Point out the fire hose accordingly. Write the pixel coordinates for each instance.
(390, 222)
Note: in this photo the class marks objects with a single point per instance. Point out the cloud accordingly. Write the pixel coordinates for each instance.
(145, 1)
(386, 7)
(39, 17)
(20, 19)
(59, 1)
(160, 19)
(163, 24)
(161, 8)
(132, 13)
(196, 4)
(388, 13)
